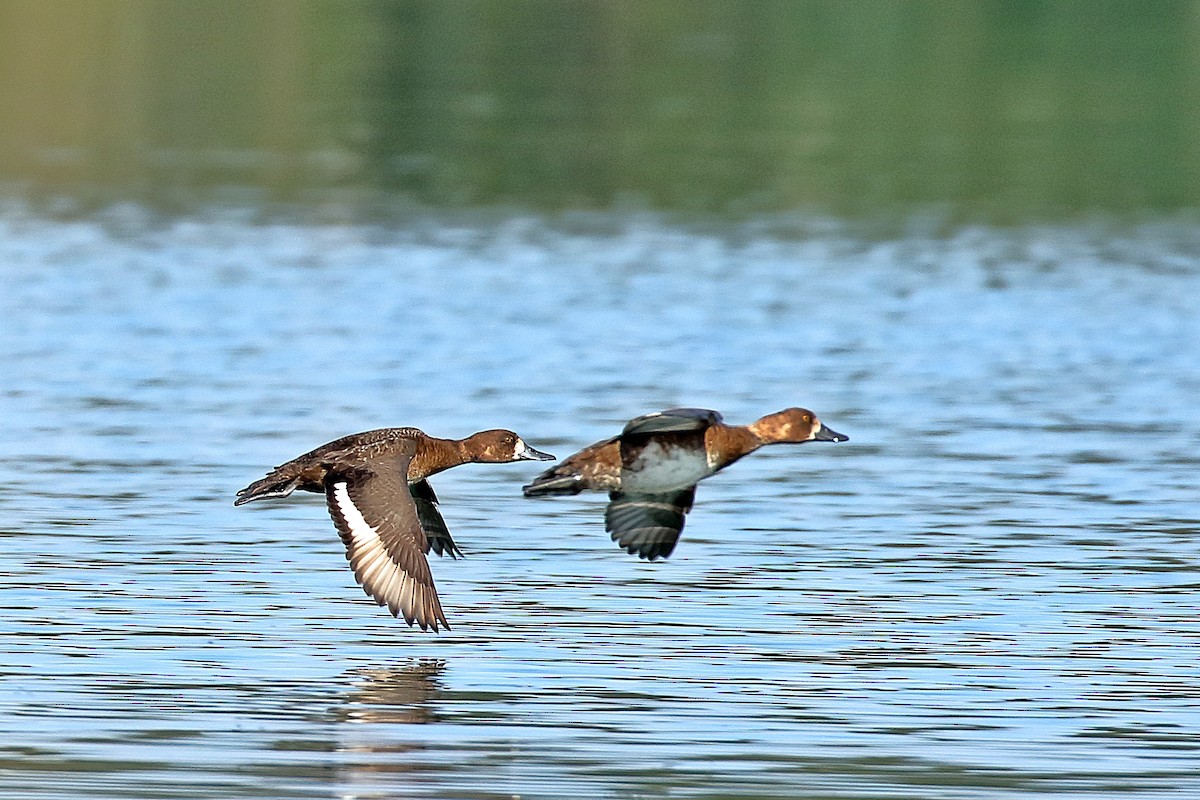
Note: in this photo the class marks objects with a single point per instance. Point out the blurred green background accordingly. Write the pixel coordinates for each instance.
(1004, 110)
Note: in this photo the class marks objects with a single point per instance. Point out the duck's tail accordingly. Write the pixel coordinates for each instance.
(274, 485)
(561, 479)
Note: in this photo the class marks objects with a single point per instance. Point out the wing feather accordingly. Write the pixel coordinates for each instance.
(437, 535)
(673, 420)
(648, 525)
(378, 522)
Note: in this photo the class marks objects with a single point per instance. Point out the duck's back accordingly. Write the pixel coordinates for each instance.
(358, 447)
(600, 466)
(673, 420)
(307, 472)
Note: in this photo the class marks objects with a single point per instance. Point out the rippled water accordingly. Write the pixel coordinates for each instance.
(989, 592)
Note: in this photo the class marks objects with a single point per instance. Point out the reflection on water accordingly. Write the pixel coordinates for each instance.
(372, 746)
(396, 694)
(987, 593)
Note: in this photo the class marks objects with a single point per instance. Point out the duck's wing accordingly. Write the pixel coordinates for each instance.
(648, 525)
(377, 519)
(673, 420)
(437, 535)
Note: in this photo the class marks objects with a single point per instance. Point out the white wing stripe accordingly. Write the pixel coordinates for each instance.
(373, 561)
(361, 531)
(379, 574)
(370, 574)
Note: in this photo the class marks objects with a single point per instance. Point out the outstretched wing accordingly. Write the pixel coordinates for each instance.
(376, 517)
(673, 420)
(648, 525)
(437, 535)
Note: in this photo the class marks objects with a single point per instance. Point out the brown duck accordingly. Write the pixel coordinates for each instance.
(651, 470)
(384, 508)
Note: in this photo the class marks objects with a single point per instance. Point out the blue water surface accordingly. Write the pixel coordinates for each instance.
(988, 592)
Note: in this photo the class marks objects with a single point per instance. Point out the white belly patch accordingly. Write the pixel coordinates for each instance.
(663, 469)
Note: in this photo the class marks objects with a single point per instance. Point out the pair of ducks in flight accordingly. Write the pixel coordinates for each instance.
(376, 486)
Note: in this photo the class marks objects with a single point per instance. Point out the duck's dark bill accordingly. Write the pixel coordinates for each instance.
(530, 454)
(828, 435)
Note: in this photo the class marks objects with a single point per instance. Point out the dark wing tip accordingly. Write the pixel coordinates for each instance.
(437, 534)
(647, 525)
(423, 610)
(426, 618)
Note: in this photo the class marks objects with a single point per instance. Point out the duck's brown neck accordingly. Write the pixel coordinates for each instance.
(732, 441)
(434, 455)
(755, 429)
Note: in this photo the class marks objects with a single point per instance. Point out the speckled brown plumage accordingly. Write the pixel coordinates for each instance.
(384, 508)
(651, 470)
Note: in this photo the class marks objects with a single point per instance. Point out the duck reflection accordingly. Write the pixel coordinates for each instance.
(402, 693)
